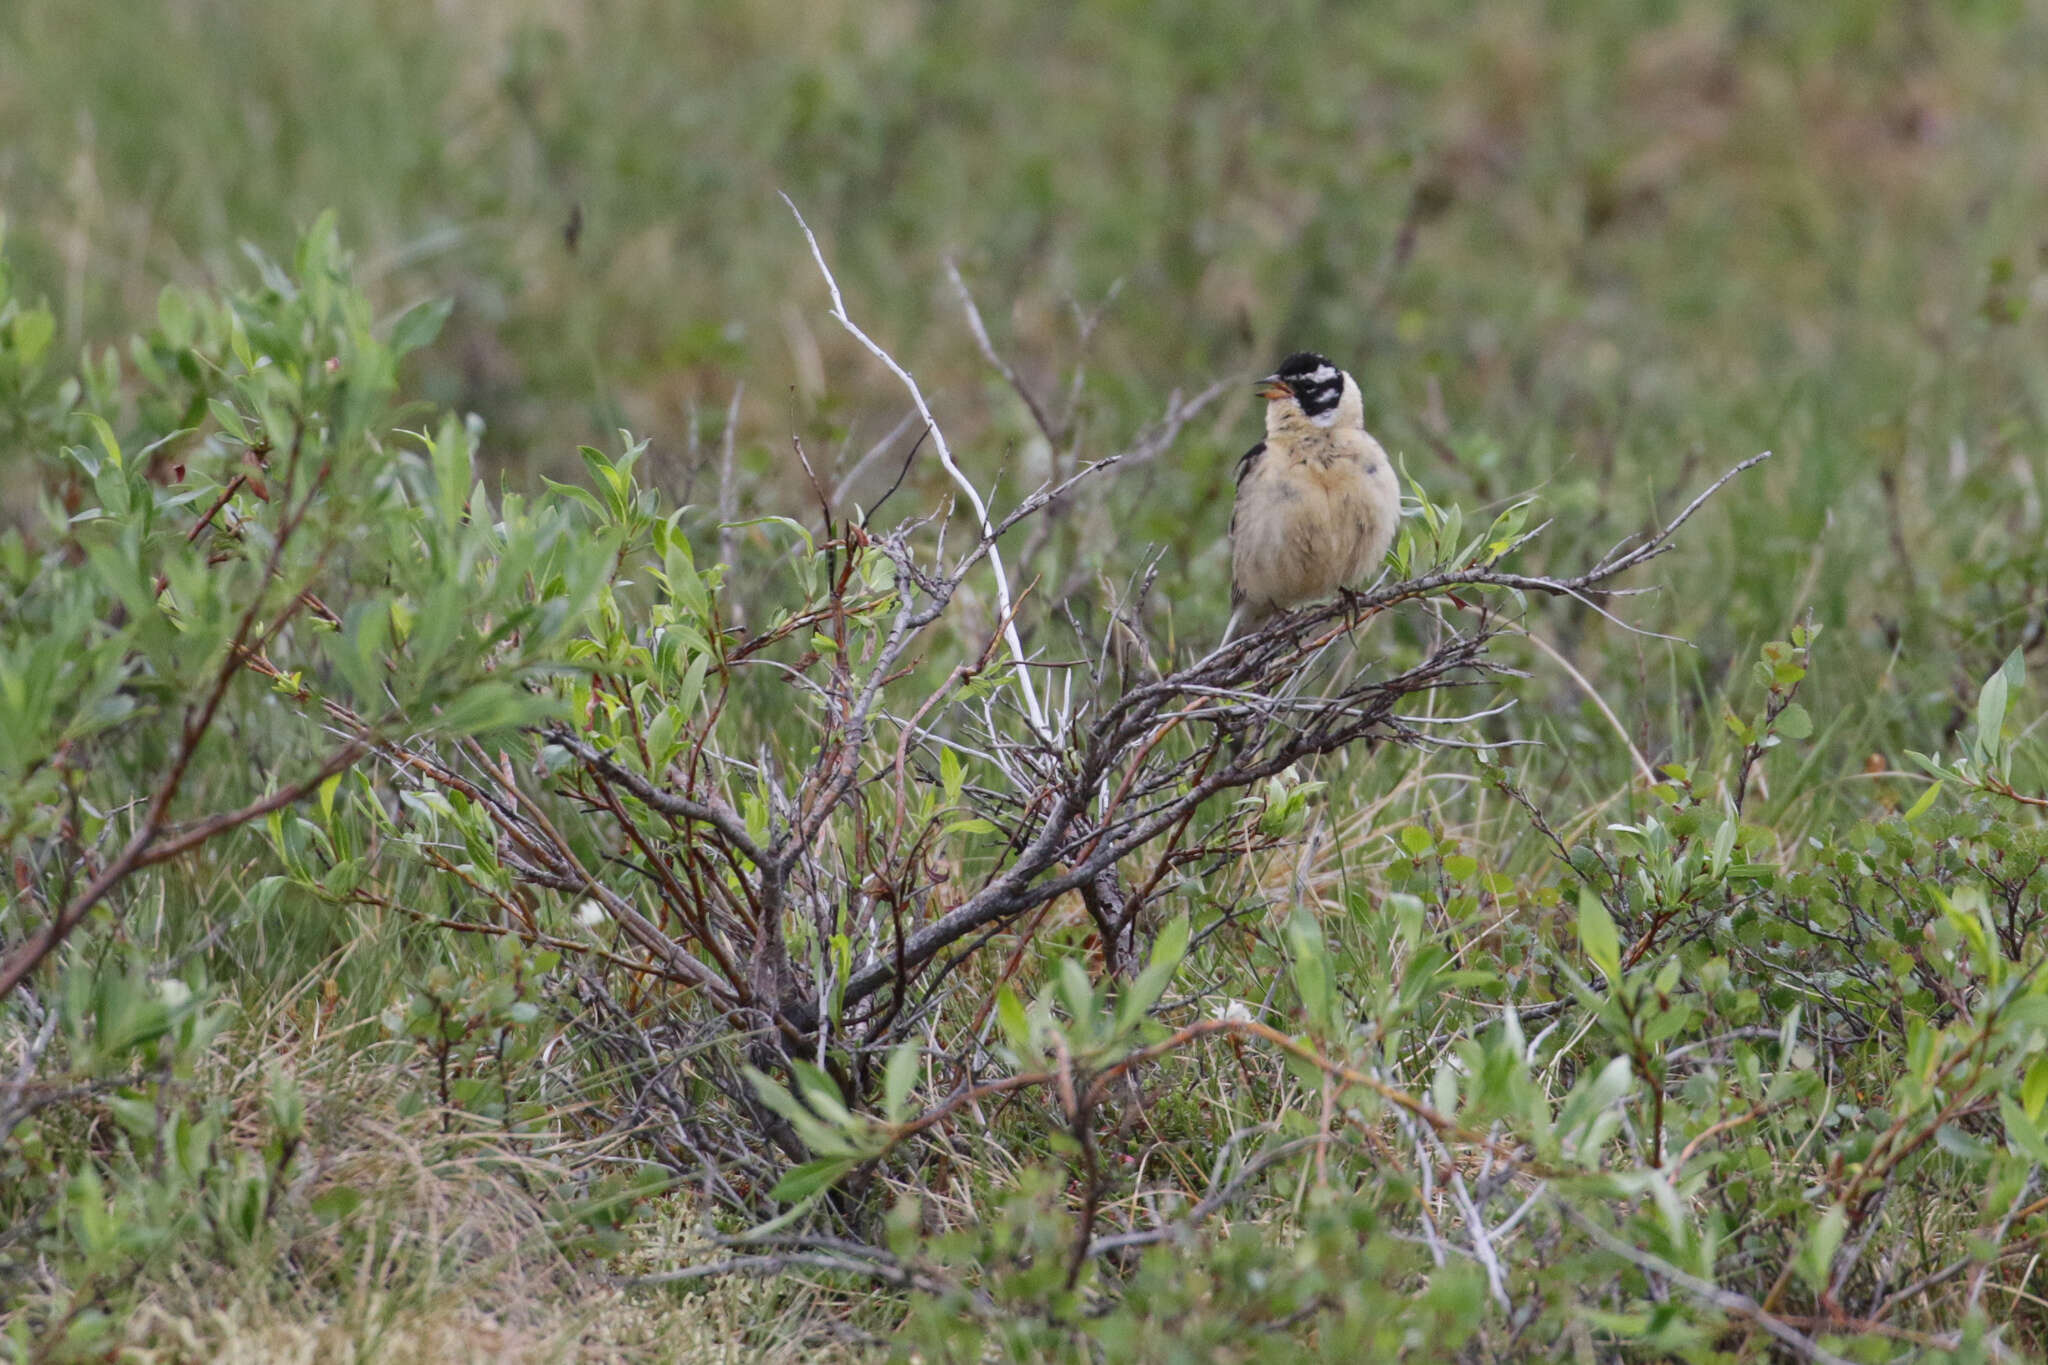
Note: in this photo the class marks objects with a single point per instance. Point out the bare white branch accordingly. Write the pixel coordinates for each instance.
(1005, 602)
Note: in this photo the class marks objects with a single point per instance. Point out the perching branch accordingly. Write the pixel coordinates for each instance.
(1235, 685)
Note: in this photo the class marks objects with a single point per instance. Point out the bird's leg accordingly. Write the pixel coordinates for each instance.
(1351, 598)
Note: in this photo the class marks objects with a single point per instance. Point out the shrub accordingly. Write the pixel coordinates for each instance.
(1004, 966)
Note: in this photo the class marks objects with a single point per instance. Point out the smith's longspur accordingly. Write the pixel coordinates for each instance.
(1317, 500)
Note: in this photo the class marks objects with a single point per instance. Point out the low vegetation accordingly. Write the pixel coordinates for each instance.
(723, 897)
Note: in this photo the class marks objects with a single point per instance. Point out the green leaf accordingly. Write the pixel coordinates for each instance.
(692, 687)
(820, 1091)
(819, 1136)
(1311, 966)
(491, 705)
(1016, 1024)
(1920, 807)
(803, 1181)
(1957, 1143)
(106, 435)
(229, 419)
(174, 316)
(2022, 1134)
(1597, 936)
(1724, 845)
(418, 325)
(2015, 670)
(1928, 763)
(1817, 1256)
(801, 532)
(1788, 1040)
(287, 1106)
(238, 341)
(1151, 983)
(1623, 1325)
(1586, 1116)
(1794, 722)
(134, 1113)
(33, 329)
(2034, 1092)
(575, 494)
(899, 1080)
(1076, 990)
(1991, 714)
(1443, 1087)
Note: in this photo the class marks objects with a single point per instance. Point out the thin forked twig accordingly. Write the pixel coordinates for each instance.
(1026, 691)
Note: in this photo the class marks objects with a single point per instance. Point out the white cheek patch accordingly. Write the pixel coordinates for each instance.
(1344, 389)
(1323, 375)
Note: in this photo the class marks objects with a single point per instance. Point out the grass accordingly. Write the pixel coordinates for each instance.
(1593, 250)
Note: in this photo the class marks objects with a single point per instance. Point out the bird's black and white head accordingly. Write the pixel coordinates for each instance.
(1308, 384)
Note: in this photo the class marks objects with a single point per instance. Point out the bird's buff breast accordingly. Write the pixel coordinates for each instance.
(1308, 526)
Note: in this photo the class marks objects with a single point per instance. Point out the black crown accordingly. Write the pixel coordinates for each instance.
(1317, 384)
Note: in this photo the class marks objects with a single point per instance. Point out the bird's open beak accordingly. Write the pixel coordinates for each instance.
(1272, 387)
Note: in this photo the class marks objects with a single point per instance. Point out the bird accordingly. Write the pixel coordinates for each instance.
(1317, 500)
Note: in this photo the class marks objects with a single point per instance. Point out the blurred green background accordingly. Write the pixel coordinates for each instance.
(1599, 249)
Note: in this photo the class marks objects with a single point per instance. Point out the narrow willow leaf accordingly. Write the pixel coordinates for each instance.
(1151, 983)
(1597, 935)
(899, 1080)
(806, 1180)
(1311, 969)
(1921, 806)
